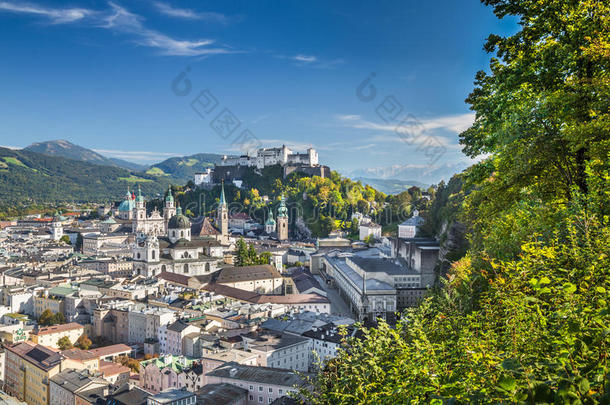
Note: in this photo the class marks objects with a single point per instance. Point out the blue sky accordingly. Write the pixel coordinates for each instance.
(100, 75)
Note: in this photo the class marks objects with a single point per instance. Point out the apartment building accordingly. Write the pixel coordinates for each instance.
(49, 335)
(28, 368)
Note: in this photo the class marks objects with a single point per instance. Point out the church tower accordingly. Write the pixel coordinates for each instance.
(282, 220)
(222, 220)
(56, 228)
(170, 208)
(139, 213)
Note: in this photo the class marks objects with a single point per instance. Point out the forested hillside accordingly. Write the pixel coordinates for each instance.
(32, 177)
(324, 204)
(523, 316)
(183, 169)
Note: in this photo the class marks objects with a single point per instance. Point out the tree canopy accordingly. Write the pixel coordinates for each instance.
(523, 316)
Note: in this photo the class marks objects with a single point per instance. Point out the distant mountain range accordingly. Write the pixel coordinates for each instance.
(65, 149)
(61, 171)
(390, 186)
(180, 169)
(27, 176)
(410, 174)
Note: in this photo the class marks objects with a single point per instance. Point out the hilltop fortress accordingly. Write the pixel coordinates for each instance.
(232, 167)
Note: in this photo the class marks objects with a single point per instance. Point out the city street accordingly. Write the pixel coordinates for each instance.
(337, 305)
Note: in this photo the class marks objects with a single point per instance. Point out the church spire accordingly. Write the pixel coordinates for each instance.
(140, 198)
(282, 211)
(223, 201)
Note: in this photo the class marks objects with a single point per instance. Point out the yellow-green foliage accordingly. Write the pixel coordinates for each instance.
(524, 316)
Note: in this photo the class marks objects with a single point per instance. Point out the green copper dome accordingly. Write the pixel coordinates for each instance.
(127, 205)
(179, 221)
(270, 220)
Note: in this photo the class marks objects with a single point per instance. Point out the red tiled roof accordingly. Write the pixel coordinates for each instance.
(174, 278)
(248, 296)
(58, 328)
(78, 354)
(108, 368)
(111, 350)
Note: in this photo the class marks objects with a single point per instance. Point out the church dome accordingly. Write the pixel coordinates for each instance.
(270, 220)
(126, 206)
(179, 221)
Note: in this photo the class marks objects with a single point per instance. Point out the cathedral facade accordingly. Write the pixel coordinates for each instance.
(166, 244)
(134, 209)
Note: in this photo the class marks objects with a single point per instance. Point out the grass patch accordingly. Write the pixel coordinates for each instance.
(134, 179)
(156, 171)
(14, 161)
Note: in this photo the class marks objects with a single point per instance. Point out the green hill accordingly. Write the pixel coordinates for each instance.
(184, 168)
(27, 176)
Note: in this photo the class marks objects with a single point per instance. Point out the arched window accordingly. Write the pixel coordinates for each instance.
(182, 234)
(174, 234)
(154, 255)
(163, 268)
(139, 255)
(207, 267)
(186, 269)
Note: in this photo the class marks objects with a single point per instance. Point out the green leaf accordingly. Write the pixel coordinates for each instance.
(507, 383)
(569, 288)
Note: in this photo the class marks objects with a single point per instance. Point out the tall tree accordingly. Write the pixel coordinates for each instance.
(543, 110)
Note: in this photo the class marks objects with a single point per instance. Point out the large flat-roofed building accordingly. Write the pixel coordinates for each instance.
(421, 255)
(221, 394)
(264, 384)
(264, 279)
(279, 351)
(172, 397)
(28, 369)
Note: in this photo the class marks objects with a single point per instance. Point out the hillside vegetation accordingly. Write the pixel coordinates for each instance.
(28, 177)
(183, 169)
(325, 204)
(523, 316)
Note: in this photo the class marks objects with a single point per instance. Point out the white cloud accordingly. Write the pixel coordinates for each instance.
(188, 14)
(137, 156)
(56, 15)
(413, 130)
(124, 21)
(348, 117)
(119, 19)
(305, 58)
(309, 60)
(456, 123)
